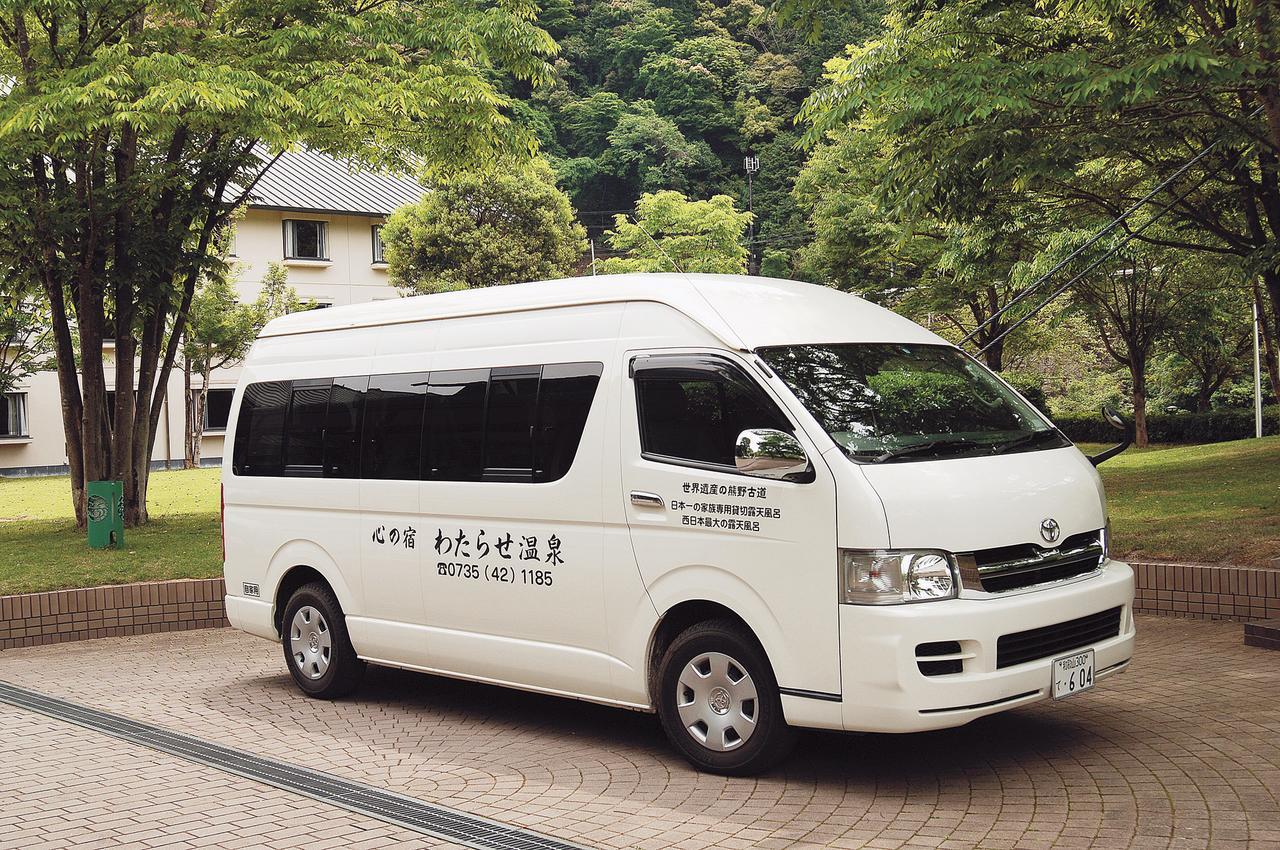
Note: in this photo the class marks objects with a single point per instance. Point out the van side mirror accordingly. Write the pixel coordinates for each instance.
(769, 453)
(1115, 420)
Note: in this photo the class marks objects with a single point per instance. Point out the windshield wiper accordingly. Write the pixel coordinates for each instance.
(920, 448)
(1024, 440)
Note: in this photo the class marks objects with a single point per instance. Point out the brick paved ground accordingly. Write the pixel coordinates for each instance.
(63, 786)
(1183, 751)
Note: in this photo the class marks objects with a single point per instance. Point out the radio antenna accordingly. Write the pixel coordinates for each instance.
(673, 263)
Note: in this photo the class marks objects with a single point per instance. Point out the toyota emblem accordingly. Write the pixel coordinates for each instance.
(1049, 530)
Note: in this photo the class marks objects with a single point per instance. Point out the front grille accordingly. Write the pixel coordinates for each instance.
(1015, 567)
(1034, 644)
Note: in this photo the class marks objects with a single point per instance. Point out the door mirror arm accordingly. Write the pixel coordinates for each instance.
(1115, 420)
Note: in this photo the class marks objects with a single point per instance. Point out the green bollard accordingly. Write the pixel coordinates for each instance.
(105, 509)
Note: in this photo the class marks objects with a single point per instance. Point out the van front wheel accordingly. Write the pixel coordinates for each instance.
(719, 703)
(316, 647)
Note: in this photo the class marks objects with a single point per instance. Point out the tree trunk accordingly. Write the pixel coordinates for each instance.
(188, 420)
(202, 399)
(1204, 396)
(1138, 372)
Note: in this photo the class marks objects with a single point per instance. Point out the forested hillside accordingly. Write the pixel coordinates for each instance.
(672, 95)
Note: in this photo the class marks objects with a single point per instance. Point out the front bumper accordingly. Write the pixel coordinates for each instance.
(884, 690)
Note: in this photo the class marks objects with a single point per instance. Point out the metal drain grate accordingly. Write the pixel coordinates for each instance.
(436, 821)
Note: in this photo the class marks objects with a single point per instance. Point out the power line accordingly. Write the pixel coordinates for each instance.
(1108, 255)
(1116, 222)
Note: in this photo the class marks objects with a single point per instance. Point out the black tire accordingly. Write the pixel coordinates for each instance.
(342, 670)
(770, 738)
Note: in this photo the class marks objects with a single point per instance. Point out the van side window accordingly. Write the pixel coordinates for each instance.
(520, 423)
(259, 442)
(695, 412)
(342, 427)
(392, 443)
(564, 400)
(454, 432)
(304, 428)
(509, 422)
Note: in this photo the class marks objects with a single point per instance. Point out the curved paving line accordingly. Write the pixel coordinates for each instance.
(429, 819)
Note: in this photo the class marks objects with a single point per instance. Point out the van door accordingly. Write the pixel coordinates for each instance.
(392, 537)
(512, 518)
(701, 530)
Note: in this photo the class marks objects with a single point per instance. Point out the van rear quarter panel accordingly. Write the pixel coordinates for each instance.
(274, 524)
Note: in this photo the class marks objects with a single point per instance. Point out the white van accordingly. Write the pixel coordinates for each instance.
(746, 504)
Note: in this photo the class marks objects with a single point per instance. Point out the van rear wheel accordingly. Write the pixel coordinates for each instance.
(316, 646)
(719, 702)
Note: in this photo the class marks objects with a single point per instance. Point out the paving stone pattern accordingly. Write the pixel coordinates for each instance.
(1182, 751)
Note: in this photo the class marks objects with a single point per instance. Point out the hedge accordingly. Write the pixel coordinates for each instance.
(1214, 427)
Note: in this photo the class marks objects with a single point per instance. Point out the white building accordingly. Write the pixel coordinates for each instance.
(309, 212)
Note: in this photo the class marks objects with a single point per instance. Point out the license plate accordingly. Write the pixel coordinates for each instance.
(1072, 674)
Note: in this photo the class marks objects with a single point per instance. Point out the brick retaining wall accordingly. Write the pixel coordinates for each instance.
(1180, 590)
(1207, 592)
(31, 619)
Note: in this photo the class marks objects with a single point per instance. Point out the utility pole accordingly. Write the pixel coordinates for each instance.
(1257, 375)
(751, 164)
(593, 258)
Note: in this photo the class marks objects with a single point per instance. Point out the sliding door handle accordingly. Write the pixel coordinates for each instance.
(646, 500)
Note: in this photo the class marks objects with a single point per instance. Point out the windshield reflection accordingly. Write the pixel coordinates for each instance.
(883, 402)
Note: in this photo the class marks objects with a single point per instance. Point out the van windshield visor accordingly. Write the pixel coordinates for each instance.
(886, 402)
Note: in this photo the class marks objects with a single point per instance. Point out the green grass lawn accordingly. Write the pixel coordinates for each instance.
(41, 548)
(1217, 503)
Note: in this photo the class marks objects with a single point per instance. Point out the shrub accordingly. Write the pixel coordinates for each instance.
(1214, 427)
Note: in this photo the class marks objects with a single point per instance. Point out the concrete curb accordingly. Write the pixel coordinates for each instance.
(33, 619)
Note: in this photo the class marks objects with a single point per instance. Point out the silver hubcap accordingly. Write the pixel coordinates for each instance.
(310, 642)
(717, 701)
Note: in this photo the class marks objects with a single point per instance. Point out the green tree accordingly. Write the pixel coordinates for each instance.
(26, 340)
(1085, 103)
(647, 153)
(133, 128)
(484, 229)
(960, 271)
(695, 236)
(220, 331)
(1210, 338)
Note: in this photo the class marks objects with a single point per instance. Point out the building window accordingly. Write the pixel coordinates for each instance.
(13, 415)
(378, 255)
(217, 409)
(305, 240)
(313, 304)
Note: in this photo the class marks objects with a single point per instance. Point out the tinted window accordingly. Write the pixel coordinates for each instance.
(342, 428)
(304, 430)
(513, 401)
(564, 400)
(392, 444)
(260, 429)
(455, 425)
(696, 413)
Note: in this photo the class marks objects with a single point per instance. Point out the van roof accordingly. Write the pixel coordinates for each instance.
(743, 312)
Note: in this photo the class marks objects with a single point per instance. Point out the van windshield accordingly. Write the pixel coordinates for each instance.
(884, 402)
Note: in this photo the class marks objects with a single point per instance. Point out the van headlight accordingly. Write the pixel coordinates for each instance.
(892, 577)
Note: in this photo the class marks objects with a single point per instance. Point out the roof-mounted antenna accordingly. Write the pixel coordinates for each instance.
(673, 263)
